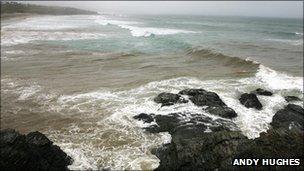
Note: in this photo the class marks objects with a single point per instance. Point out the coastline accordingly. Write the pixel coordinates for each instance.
(89, 82)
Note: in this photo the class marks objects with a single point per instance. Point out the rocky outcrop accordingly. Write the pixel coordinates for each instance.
(191, 122)
(262, 92)
(291, 117)
(204, 151)
(144, 117)
(214, 103)
(292, 98)
(167, 99)
(198, 141)
(33, 151)
(203, 143)
(250, 101)
(222, 111)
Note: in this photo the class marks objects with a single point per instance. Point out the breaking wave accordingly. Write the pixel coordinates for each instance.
(137, 31)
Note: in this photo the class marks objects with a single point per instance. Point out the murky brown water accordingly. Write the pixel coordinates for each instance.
(84, 99)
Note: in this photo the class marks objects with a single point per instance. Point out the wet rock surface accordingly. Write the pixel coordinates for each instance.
(292, 98)
(214, 103)
(291, 117)
(33, 151)
(167, 99)
(223, 111)
(262, 92)
(144, 117)
(201, 142)
(250, 101)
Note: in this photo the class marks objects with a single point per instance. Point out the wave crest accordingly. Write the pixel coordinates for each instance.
(225, 59)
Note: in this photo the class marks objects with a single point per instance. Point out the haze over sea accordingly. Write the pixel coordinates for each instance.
(81, 78)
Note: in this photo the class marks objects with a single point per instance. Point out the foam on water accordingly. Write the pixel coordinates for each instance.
(275, 80)
(47, 28)
(44, 23)
(299, 34)
(20, 37)
(139, 31)
(149, 31)
(109, 137)
(297, 42)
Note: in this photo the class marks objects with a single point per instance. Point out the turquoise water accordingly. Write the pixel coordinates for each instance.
(275, 42)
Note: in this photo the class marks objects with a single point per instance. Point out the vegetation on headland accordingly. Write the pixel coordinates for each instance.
(15, 7)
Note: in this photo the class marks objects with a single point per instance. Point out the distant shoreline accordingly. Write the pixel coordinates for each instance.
(16, 10)
(16, 16)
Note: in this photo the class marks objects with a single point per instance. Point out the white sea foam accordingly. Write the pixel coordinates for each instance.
(275, 80)
(26, 92)
(299, 34)
(20, 37)
(45, 23)
(296, 42)
(137, 31)
(80, 160)
(47, 28)
(149, 31)
(117, 141)
(104, 22)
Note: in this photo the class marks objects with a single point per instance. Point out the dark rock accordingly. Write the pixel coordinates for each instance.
(292, 116)
(9, 136)
(201, 97)
(275, 143)
(168, 157)
(207, 99)
(31, 152)
(144, 117)
(36, 138)
(250, 101)
(166, 123)
(195, 123)
(208, 151)
(167, 99)
(292, 98)
(263, 92)
(193, 92)
(223, 111)
(203, 143)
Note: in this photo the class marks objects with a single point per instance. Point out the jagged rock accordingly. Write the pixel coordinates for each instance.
(263, 92)
(199, 97)
(144, 117)
(165, 123)
(204, 151)
(275, 143)
(207, 99)
(193, 92)
(199, 142)
(223, 111)
(292, 116)
(195, 123)
(292, 98)
(30, 152)
(250, 101)
(167, 99)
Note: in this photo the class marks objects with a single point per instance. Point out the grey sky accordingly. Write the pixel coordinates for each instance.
(293, 9)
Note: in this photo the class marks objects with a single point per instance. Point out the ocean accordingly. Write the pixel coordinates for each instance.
(80, 79)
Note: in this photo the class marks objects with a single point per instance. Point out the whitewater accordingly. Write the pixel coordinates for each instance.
(81, 79)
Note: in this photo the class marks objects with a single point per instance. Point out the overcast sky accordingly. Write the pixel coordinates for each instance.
(290, 9)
